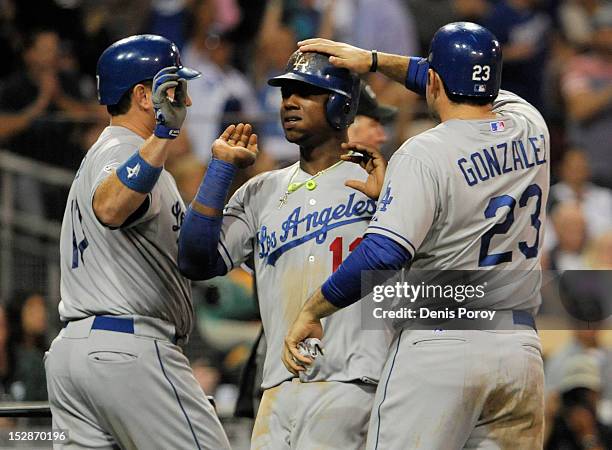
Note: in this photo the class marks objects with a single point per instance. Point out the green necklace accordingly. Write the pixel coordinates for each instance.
(310, 183)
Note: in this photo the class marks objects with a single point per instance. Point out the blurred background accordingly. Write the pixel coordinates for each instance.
(557, 55)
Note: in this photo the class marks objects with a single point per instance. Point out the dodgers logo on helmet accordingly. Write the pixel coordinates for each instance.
(315, 69)
(468, 58)
(134, 59)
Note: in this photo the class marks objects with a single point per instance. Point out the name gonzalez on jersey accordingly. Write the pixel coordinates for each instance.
(503, 158)
(313, 225)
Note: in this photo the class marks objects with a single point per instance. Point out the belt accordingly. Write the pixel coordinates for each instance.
(502, 320)
(118, 324)
(523, 318)
(140, 326)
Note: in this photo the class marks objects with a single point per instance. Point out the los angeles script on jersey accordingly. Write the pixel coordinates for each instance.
(503, 158)
(300, 227)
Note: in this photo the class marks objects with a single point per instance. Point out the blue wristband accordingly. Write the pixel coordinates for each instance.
(138, 175)
(416, 77)
(216, 184)
(164, 132)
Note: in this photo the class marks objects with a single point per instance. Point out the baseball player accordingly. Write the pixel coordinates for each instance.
(468, 194)
(299, 223)
(116, 375)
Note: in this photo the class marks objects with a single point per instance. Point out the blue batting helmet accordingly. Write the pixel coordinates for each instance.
(132, 60)
(315, 69)
(468, 58)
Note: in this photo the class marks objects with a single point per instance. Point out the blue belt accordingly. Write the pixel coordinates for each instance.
(126, 325)
(109, 323)
(523, 318)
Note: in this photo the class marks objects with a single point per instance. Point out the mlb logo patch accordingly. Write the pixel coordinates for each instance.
(497, 126)
(480, 88)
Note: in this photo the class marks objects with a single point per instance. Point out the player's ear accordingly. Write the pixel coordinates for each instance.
(435, 83)
(431, 77)
(141, 96)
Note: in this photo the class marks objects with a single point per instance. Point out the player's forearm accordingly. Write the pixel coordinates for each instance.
(408, 71)
(211, 196)
(393, 66)
(114, 201)
(199, 237)
(317, 306)
(198, 257)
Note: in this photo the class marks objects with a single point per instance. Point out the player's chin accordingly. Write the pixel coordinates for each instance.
(295, 136)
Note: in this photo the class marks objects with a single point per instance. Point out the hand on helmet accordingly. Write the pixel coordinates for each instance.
(170, 112)
(341, 55)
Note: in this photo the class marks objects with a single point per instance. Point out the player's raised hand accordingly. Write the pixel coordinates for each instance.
(341, 55)
(236, 145)
(372, 161)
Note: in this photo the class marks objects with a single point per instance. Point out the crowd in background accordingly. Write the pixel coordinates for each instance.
(557, 55)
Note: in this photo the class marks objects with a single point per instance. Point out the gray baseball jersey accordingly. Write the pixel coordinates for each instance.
(471, 194)
(467, 195)
(131, 389)
(296, 247)
(131, 271)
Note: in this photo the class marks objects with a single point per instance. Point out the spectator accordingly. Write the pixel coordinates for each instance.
(223, 93)
(47, 85)
(570, 228)
(168, 19)
(587, 91)
(28, 341)
(368, 128)
(39, 88)
(576, 425)
(582, 342)
(385, 25)
(304, 17)
(522, 30)
(576, 18)
(574, 186)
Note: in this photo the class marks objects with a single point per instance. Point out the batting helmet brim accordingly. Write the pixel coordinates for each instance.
(280, 80)
(188, 74)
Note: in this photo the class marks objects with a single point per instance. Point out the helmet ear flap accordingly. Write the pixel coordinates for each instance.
(340, 109)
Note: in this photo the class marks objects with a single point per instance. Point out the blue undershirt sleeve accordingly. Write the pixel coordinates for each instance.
(375, 252)
(198, 257)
